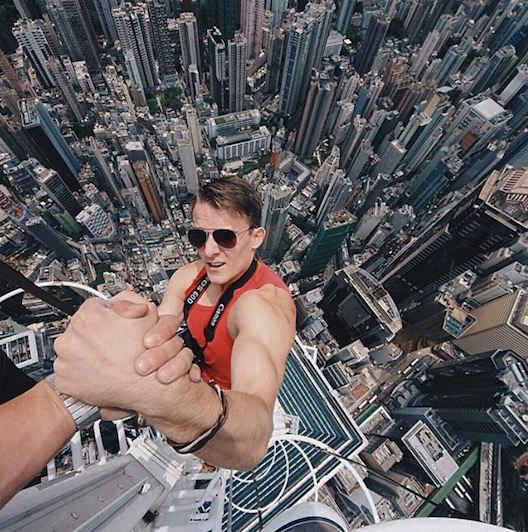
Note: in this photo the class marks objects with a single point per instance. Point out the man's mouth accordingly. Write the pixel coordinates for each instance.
(215, 265)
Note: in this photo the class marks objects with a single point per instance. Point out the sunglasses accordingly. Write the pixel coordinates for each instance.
(225, 238)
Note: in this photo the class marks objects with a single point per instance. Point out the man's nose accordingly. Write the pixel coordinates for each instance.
(210, 246)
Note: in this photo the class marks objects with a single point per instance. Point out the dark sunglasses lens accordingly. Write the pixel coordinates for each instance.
(197, 237)
(225, 238)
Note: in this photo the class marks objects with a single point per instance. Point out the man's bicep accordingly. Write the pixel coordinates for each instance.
(265, 335)
(255, 370)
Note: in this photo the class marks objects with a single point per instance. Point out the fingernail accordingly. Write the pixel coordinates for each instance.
(144, 365)
(151, 340)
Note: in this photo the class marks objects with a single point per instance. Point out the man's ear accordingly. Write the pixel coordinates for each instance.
(259, 235)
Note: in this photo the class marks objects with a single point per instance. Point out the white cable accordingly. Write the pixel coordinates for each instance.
(71, 284)
(310, 466)
(346, 463)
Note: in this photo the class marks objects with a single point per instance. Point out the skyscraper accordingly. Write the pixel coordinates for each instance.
(344, 15)
(277, 7)
(336, 194)
(218, 69)
(189, 41)
(274, 213)
(74, 28)
(468, 229)
(225, 15)
(56, 188)
(496, 70)
(134, 35)
(480, 397)
(357, 307)
(316, 109)
(30, 35)
(103, 9)
(306, 42)
(159, 13)
(236, 53)
(252, 24)
(369, 47)
(327, 241)
(48, 144)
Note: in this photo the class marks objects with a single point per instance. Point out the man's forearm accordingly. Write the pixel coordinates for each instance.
(240, 443)
(34, 427)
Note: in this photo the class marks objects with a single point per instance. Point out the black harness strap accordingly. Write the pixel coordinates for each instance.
(209, 330)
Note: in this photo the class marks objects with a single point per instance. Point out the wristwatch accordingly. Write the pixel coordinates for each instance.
(83, 414)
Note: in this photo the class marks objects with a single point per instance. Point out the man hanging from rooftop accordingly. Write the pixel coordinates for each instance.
(241, 325)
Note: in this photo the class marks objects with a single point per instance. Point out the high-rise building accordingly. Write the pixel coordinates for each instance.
(499, 324)
(477, 121)
(480, 397)
(390, 158)
(277, 7)
(428, 48)
(237, 74)
(73, 25)
(50, 239)
(515, 85)
(103, 9)
(274, 215)
(186, 155)
(48, 144)
(62, 82)
(190, 43)
(376, 31)
(298, 42)
(274, 55)
(225, 15)
(327, 241)
(306, 42)
(451, 63)
(148, 189)
(344, 15)
(57, 189)
(316, 109)
(252, 24)
(336, 194)
(30, 35)
(218, 69)
(134, 35)
(469, 228)
(159, 13)
(496, 70)
(357, 307)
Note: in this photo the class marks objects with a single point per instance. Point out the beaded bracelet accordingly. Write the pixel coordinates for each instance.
(200, 441)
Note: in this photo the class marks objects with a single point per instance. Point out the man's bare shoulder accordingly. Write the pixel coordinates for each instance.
(180, 280)
(188, 272)
(267, 298)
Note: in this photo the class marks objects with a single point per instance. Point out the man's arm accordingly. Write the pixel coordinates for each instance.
(96, 364)
(35, 426)
(263, 325)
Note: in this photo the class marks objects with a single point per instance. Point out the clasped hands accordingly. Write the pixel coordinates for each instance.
(119, 353)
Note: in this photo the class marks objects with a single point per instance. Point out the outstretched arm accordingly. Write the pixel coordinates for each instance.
(263, 325)
(96, 364)
(35, 426)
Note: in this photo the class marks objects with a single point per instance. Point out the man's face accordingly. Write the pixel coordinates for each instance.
(225, 265)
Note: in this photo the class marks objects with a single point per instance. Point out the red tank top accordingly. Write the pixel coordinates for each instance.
(217, 353)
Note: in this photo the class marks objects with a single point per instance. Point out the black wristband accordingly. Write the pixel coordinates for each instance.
(13, 381)
(205, 437)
